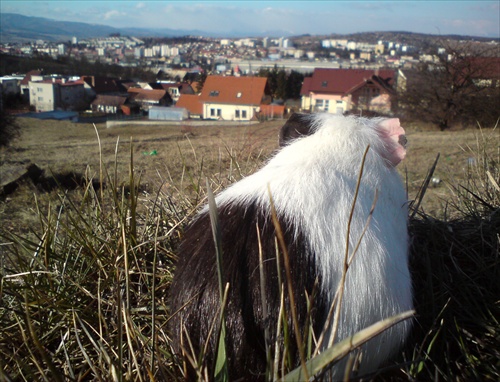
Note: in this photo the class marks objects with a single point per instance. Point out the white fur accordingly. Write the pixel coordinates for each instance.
(312, 182)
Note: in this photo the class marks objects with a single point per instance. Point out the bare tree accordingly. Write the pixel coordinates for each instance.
(9, 129)
(462, 84)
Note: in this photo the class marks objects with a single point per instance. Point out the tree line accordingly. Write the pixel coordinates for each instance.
(283, 85)
(66, 65)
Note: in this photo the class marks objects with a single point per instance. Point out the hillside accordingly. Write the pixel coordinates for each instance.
(19, 28)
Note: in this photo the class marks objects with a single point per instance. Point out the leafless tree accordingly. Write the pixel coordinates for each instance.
(460, 85)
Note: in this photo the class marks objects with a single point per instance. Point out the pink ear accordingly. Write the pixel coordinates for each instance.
(392, 127)
(390, 132)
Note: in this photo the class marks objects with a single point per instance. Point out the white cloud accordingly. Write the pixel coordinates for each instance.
(113, 14)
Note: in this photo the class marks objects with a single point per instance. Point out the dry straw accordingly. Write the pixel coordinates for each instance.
(82, 295)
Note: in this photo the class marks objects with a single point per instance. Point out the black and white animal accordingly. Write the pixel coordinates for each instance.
(312, 180)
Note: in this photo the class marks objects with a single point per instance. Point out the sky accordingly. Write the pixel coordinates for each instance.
(474, 18)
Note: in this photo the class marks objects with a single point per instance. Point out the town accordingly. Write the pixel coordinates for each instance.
(225, 79)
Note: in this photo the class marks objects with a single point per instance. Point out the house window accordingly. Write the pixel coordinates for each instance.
(243, 114)
(214, 93)
(324, 84)
(40, 99)
(322, 104)
(238, 95)
(237, 114)
(219, 112)
(212, 112)
(39, 89)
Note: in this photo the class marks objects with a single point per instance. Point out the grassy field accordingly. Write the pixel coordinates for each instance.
(86, 270)
(183, 157)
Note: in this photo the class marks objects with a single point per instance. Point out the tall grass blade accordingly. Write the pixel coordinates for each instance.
(421, 192)
(263, 302)
(286, 261)
(318, 363)
(55, 374)
(221, 372)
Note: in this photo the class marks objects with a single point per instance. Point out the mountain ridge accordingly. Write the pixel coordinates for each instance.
(19, 28)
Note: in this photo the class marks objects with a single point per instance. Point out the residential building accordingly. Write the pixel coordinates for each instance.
(10, 85)
(57, 94)
(99, 85)
(108, 104)
(146, 98)
(341, 90)
(233, 98)
(192, 103)
(33, 75)
(175, 89)
(482, 71)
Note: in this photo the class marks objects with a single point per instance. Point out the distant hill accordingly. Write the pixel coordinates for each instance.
(19, 28)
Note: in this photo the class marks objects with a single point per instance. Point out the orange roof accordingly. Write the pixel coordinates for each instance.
(194, 85)
(233, 90)
(28, 76)
(191, 102)
(146, 94)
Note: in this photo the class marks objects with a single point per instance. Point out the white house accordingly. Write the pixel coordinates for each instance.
(57, 94)
(10, 85)
(341, 90)
(233, 98)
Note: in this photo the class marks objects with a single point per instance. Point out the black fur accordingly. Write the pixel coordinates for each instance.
(295, 127)
(196, 284)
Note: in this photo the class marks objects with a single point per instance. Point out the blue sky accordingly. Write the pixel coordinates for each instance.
(476, 18)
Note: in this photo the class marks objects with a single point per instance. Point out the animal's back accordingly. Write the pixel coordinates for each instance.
(312, 181)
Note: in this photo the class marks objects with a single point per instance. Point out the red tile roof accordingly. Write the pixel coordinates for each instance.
(139, 94)
(375, 80)
(306, 85)
(234, 90)
(191, 102)
(482, 67)
(341, 81)
(109, 100)
(27, 77)
(184, 87)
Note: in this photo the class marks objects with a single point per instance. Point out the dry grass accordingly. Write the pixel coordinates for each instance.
(183, 155)
(180, 163)
(82, 297)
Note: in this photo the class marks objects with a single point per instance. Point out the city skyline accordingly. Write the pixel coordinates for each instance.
(473, 18)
